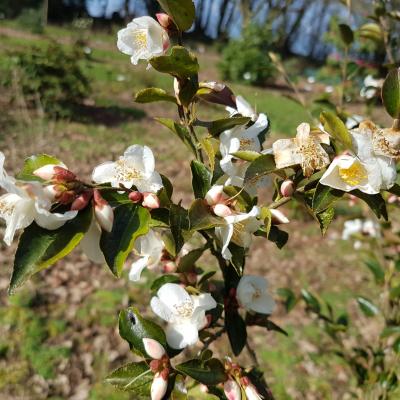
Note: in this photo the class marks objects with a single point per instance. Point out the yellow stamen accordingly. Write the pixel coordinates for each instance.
(125, 172)
(353, 175)
(140, 38)
(184, 309)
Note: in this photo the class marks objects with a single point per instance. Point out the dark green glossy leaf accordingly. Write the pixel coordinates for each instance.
(201, 179)
(346, 34)
(179, 222)
(201, 218)
(276, 236)
(182, 12)
(324, 197)
(210, 372)
(337, 129)
(150, 95)
(40, 248)
(32, 164)
(220, 125)
(391, 93)
(130, 222)
(187, 262)
(180, 63)
(375, 202)
(325, 218)
(236, 330)
(311, 301)
(260, 167)
(162, 280)
(367, 307)
(133, 377)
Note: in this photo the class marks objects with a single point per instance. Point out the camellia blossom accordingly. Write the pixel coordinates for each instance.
(363, 169)
(153, 348)
(243, 108)
(143, 39)
(232, 390)
(149, 248)
(304, 150)
(252, 294)
(238, 229)
(184, 313)
(358, 226)
(134, 168)
(24, 203)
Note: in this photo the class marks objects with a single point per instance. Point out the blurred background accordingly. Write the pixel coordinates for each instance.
(67, 91)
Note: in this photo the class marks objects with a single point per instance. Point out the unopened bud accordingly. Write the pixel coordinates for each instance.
(216, 195)
(135, 197)
(51, 192)
(66, 197)
(82, 201)
(153, 348)
(170, 267)
(150, 200)
(54, 172)
(232, 390)
(191, 277)
(158, 387)
(217, 93)
(221, 210)
(103, 211)
(166, 21)
(393, 199)
(287, 188)
(278, 217)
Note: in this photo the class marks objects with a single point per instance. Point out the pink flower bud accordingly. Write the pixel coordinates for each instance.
(278, 217)
(222, 210)
(150, 200)
(54, 172)
(216, 195)
(191, 277)
(46, 172)
(393, 199)
(82, 200)
(135, 197)
(170, 267)
(154, 349)
(66, 197)
(158, 387)
(287, 188)
(232, 390)
(163, 19)
(103, 211)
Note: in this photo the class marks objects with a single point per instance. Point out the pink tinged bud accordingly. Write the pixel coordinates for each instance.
(221, 210)
(66, 197)
(63, 174)
(54, 172)
(158, 387)
(51, 192)
(393, 199)
(203, 388)
(150, 200)
(287, 188)
(232, 390)
(82, 201)
(154, 349)
(164, 20)
(191, 277)
(216, 195)
(170, 267)
(278, 217)
(135, 197)
(103, 211)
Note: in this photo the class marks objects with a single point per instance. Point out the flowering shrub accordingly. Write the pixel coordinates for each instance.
(127, 207)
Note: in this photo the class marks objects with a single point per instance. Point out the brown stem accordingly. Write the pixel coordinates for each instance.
(212, 339)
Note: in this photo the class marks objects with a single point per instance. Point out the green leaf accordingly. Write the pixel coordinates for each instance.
(162, 280)
(289, 298)
(337, 129)
(181, 11)
(180, 131)
(150, 95)
(179, 222)
(372, 32)
(367, 307)
(133, 377)
(247, 155)
(134, 328)
(180, 63)
(390, 330)
(324, 197)
(325, 218)
(208, 148)
(275, 235)
(188, 260)
(210, 372)
(201, 179)
(260, 167)
(311, 301)
(243, 200)
(396, 345)
(375, 202)
(395, 293)
(236, 330)
(346, 34)
(391, 93)
(220, 125)
(130, 222)
(376, 269)
(40, 248)
(32, 163)
(200, 216)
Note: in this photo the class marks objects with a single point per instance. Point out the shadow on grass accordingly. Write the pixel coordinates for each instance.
(109, 116)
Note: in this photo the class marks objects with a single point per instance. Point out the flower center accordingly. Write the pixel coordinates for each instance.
(6, 209)
(125, 172)
(257, 293)
(313, 156)
(245, 144)
(353, 175)
(185, 309)
(140, 39)
(238, 230)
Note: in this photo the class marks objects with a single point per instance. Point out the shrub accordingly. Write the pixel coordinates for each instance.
(53, 75)
(246, 59)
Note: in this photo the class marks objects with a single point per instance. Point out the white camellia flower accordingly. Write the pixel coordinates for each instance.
(143, 39)
(243, 108)
(238, 229)
(371, 87)
(364, 170)
(358, 226)
(184, 313)
(135, 167)
(252, 294)
(304, 150)
(149, 248)
(24, 203)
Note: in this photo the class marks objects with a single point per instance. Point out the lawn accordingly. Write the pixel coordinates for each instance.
(58, 335)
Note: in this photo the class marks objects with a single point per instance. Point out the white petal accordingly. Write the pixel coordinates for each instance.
(161, 309)
(137, 267)
(53, 221)
(180, 336)
(264, 304)
(205, 301)
(90, 243)
(224, 234)
(152, 183)
(104, 173)
(142, 157)
(172, 295)
(285, 153)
